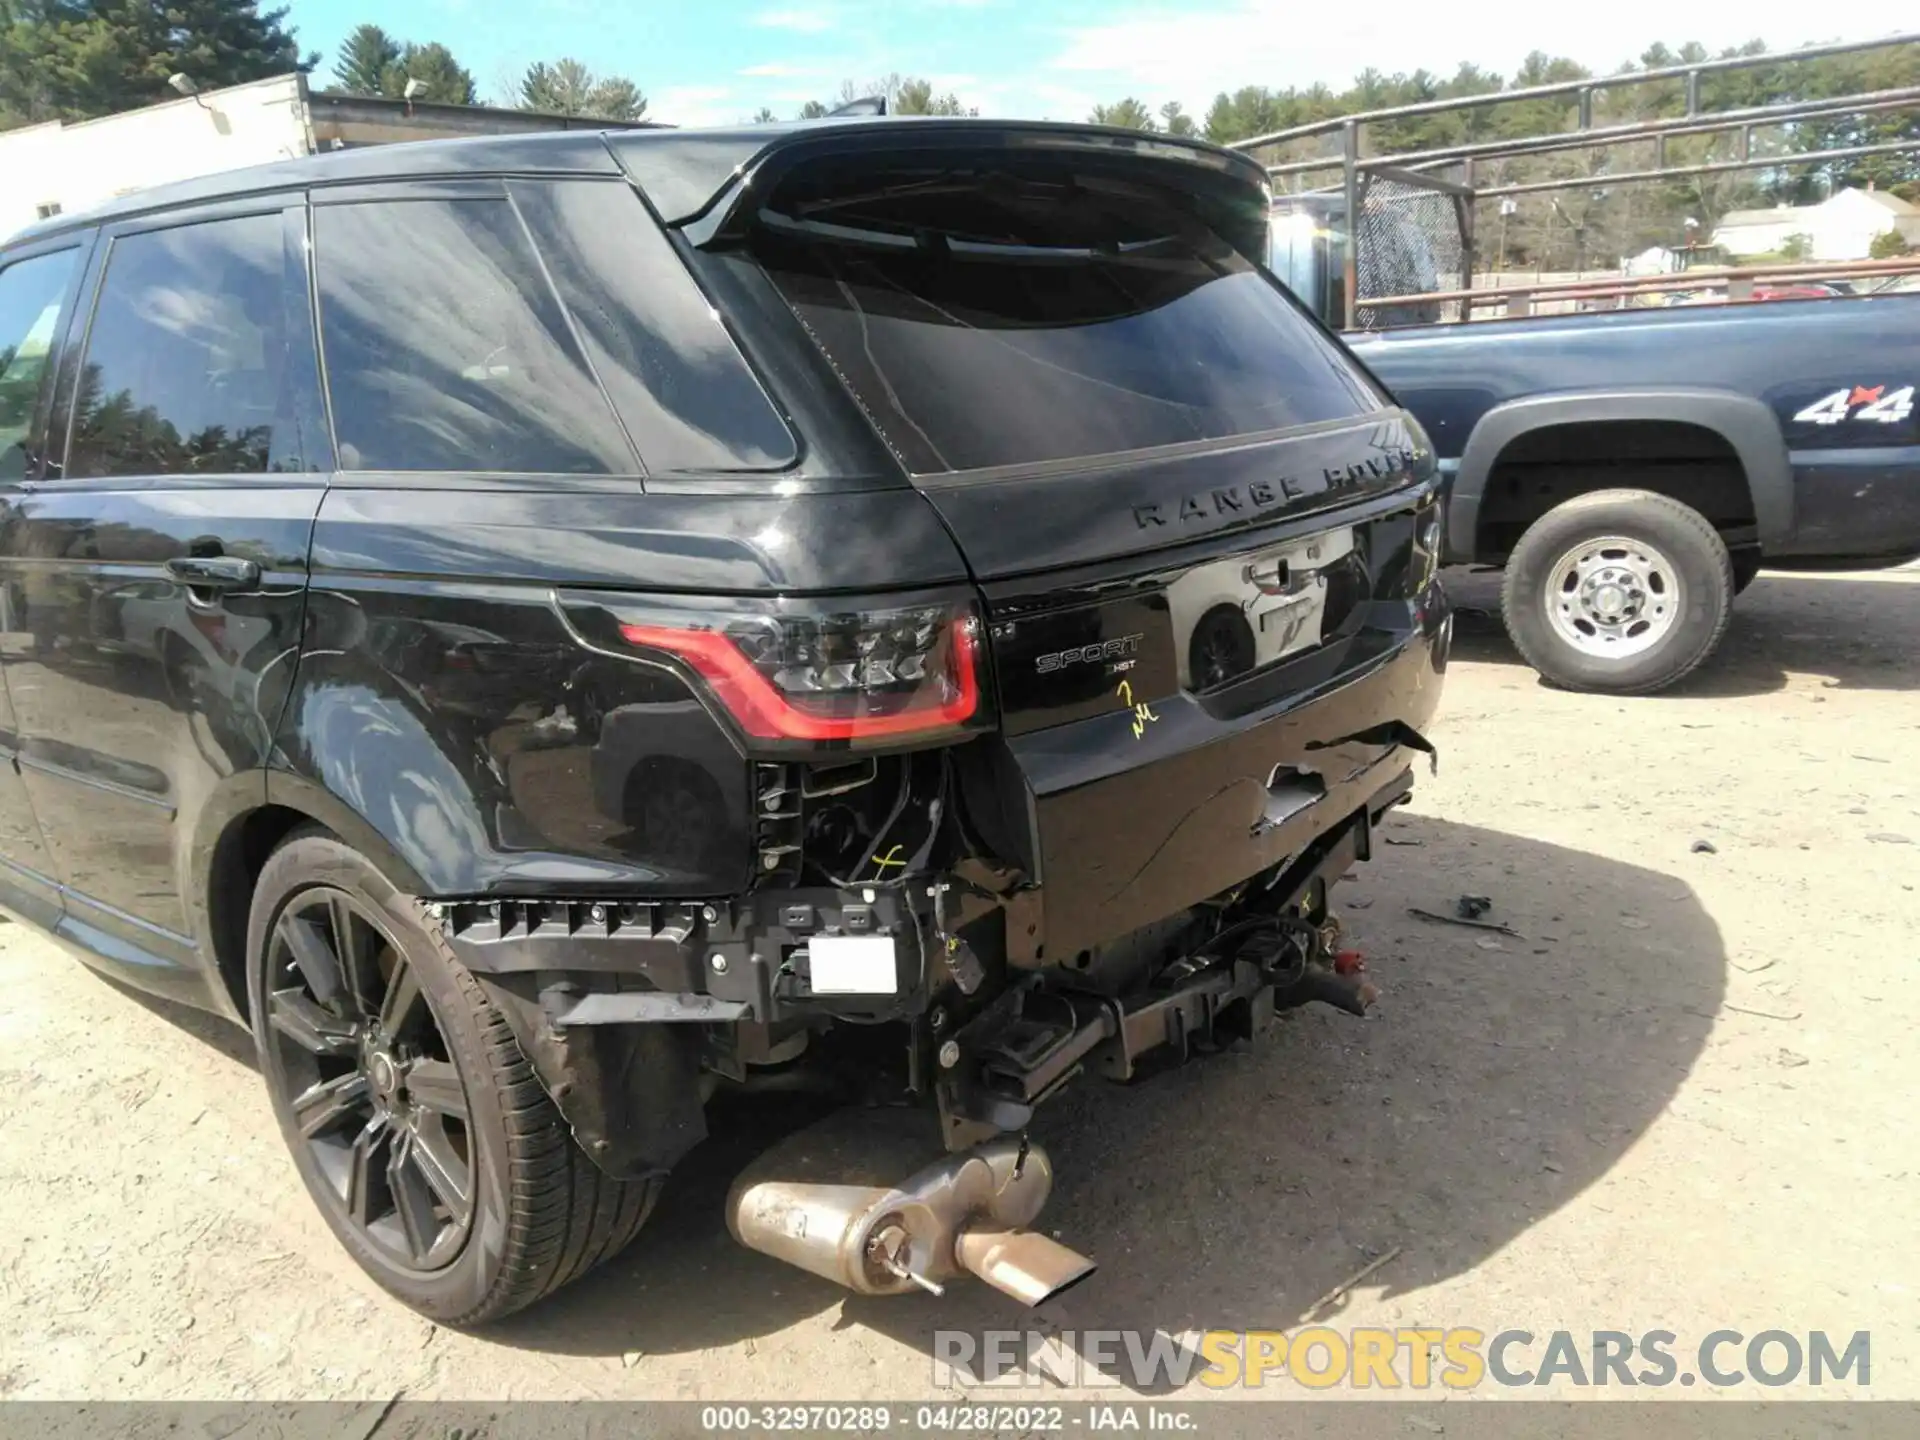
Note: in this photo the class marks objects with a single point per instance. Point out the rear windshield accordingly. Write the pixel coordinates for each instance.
(990, 319)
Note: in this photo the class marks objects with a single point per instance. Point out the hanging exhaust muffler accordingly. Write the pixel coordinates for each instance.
(820, 1200)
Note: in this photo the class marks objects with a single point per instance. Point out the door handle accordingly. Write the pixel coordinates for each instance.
(214, 572)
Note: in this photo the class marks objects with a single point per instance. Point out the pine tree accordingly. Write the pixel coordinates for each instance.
(1127, 114)
(447, 82)
(364, 60)
(615, 97)
(216, 42)
(569, 87)
(75, 59)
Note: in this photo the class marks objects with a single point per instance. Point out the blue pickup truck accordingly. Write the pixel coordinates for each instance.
(1633, 470)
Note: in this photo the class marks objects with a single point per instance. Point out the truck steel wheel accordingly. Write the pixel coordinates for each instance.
(1621, 591)
(415, 1121)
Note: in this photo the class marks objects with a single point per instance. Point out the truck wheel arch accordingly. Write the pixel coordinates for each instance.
(1745, 424)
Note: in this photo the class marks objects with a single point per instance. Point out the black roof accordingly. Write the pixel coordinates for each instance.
(682, 171)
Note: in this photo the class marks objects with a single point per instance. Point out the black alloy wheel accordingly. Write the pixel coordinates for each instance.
(357, 1054)
(415, 1119)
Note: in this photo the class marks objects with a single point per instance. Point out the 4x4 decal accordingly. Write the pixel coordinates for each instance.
(1876, 404)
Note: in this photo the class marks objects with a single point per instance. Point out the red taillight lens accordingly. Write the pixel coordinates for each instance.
(850, 677)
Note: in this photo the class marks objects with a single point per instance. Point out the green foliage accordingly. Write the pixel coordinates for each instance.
(1889, 245)
(765, 117)
(1132, 114)
(1797, 248)
(433, 65)
(1595, 222)
(1127, 114)
(904, 94)
(372, 62)
(1175, 120)
(914, 96)
(143, 438)
(569, 87)
(75, 59)
(364, 59)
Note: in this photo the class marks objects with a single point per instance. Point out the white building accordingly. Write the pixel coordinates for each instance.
(1841, 227)
(62, 168)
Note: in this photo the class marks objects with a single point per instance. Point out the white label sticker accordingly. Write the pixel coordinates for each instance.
(852, 965)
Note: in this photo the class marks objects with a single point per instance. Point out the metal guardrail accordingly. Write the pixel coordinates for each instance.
(1740, 282)
(1745, 120)
(1407, 166)
(1690, 73)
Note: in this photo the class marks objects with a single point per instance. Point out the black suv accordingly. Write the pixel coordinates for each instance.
(549, 628)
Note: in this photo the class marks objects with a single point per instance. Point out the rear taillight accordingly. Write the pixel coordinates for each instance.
(830, 677)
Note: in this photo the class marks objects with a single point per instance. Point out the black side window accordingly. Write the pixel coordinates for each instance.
(446, 348)
(684, 391)
(191, 365)
(31, 292)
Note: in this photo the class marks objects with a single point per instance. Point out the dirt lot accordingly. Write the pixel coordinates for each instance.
(1685, 1100)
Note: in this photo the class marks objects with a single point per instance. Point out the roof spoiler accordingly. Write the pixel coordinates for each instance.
(699, 182)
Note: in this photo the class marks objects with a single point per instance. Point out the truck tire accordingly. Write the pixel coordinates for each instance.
(415, 1122)
(1622, 592)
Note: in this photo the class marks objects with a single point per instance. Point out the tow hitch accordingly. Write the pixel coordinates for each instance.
(1035, 1038)
(825, 1199)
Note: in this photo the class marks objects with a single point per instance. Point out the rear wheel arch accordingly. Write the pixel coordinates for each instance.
(1728, 448)
(236, 846)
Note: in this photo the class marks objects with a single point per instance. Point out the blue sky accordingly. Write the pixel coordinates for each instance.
(712, 61)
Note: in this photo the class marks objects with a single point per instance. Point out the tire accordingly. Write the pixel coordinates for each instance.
(1678, 569)
(1746, 569)
(533, 1213)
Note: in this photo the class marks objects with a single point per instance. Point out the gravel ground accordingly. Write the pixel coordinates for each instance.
(1684, 1100)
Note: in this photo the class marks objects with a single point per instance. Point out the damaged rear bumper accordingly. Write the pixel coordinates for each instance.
(619, 1005)
(1132, 817)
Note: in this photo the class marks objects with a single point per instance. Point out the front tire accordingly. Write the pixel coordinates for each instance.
(1622, 592)
(414, 1119)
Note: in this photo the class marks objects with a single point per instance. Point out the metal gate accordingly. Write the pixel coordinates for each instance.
(1412, 235)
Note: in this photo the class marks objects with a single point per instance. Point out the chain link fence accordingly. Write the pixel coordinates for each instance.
(1410, 238)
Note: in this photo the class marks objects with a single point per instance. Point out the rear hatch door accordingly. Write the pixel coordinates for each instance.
(1173, 486)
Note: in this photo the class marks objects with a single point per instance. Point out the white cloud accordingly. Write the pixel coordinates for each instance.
(779, 69)
(694, 105)
(806, 22)
(1164, 54)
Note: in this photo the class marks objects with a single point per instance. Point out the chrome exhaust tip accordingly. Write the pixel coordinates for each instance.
(1022, 1263)
(817, 1202)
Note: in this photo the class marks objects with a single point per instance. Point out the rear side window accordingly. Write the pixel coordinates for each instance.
(30, 295)
(191, 365)
(686, 395)
(446, 349)
(990, 318)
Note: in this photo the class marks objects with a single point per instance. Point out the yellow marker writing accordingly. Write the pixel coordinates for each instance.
(892, 857)
(1142, 712)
